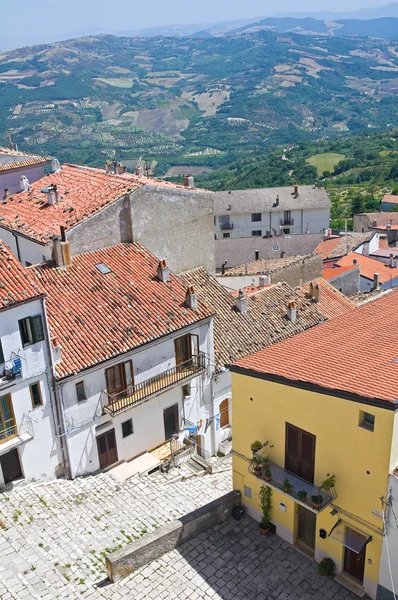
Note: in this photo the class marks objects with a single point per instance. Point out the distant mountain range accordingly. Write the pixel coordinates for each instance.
(389, 10)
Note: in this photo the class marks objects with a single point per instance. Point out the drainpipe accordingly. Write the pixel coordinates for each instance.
(17, 245)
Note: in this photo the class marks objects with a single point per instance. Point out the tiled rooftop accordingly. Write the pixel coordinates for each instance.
(328, 274)
(265, 323)
(332, 303)
(263, 266)
(84, 191)
(369, 266)
(17, 284)
(97, 316)
(352, 353)
(12, 159)
(339, 246)
(390, 199)
(381, 218)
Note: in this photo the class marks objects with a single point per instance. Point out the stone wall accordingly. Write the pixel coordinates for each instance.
(153, 545)
(347, 283)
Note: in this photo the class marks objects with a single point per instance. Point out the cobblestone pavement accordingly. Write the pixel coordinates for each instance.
(54, 538)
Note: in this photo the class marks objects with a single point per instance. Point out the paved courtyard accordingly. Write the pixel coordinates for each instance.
(53, 539)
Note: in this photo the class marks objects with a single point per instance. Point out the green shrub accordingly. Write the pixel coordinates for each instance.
(326, 566)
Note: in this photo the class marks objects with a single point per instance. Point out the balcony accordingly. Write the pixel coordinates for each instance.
(226, 226)
(141, 392)
(288, 221)
(301, 491)
(15, 435)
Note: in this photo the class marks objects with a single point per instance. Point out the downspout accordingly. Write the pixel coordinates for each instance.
(57, 417)
(17, 245)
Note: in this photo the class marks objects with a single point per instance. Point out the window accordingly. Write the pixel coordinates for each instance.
(127, 428)
(226, 235)
(287, 215)
(7, 419)
(256, 232)
(256, 217)
(1, 353)
(119, 378)
(224, 219)
(366, 420)
(300, 452)
(80, 392)
(224, 413)
(35, 395)
(31, 330)
(103, 268)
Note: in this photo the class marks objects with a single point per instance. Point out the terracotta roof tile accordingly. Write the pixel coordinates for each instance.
(265, 323)
(369, 266)
(17, 283)
(12, 159)
(96, 317)
(339, 246)
(381, 218)
(334, 271)
(263, 266)
(332, 302)
(350, 353)
(390, 199)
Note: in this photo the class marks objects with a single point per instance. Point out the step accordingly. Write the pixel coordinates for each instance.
(349, 584)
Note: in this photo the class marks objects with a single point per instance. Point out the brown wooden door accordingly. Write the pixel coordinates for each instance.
(300, 452)
(107, 449)
(119, 378)
(354, 563)
(182, 349)
(306, 527)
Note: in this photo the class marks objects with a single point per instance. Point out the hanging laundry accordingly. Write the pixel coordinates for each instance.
(217, 419)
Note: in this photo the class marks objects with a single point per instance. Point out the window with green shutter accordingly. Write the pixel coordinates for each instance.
(31, 330)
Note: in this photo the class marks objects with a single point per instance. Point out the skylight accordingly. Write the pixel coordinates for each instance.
(103, 268)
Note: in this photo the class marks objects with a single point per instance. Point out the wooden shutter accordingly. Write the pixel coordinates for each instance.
(224, 410)
(300, 452)
(292, 455)
(307, 456)
(37, 329)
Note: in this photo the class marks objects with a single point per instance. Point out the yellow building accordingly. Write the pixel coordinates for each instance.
(323, 405)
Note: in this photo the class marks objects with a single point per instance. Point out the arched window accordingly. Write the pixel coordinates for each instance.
(224, 412)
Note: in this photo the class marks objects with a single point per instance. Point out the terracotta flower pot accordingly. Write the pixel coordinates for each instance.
(257, 472)
(264, 531)
(266, 478)
(316, 505)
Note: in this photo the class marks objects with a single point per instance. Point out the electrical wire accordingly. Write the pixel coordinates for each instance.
(388, 551)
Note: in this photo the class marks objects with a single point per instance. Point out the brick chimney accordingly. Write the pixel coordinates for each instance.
(53, 195)
(376, 281)
(163, 271)
(25, 187)
(191, 297)
(241, 302)
(188, 181)
(291, 311)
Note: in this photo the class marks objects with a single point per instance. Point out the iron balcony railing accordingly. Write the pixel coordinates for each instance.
(313, 497)
(136, 394)
(224, 226)
(287, 221)
(17, 433)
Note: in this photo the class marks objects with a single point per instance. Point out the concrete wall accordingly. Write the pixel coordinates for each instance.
(26, 250)
(153, 545)
(361, 223)
(11, 180)
(347, 283)
(175, 224)
(85, 420)
(38, 456)
(367, 284)
(390, 542)
(304, 221)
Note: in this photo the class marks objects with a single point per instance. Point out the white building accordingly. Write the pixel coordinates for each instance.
(28, 444)
(388, 574)
(271, 212)
(133, 349)
(18, 170)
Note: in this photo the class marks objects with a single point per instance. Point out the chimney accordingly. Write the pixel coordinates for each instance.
(6, 195)
(317, 293)
(61, 251)
(56, 348)
(276, 201)
(53, 195)
(163, 271)
(191, 297)
(311, 292)
(107, 167)
(365, 249)
(257, 255)
(188, 181)
(120, 169)
(390, 261)
(25, 187)
(291, 311)
(55, 165)
(354, 261)
(376, 281)
(263, 280)
(374, 223)
(395, 261)
(223, 267)
(139, 171)
(296, 191)
(241, 302)
(388, 226)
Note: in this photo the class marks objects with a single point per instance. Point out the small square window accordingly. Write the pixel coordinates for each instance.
(35, 394)
(366, 420)
(256, 217)
(80, 392)
(127, 428)
(226, 235)
(256, 232)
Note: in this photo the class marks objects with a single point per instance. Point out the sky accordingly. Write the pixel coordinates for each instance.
(43, 17)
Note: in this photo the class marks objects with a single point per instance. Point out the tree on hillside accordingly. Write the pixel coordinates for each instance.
(357, 204)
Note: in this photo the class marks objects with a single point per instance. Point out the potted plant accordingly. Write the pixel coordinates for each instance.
(267, 475)
(317, 501)
(329, 482)
(265, 462)
(302, 495)
(326, 566)
(287, 486)
(266, 507)
(257, 466)
(255, 446)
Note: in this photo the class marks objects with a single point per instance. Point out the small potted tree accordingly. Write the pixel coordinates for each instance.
(287, 486)
(302, 495)
(317, 501)
(267, 475)
(255, 446)
(257, 466)
(266, 507)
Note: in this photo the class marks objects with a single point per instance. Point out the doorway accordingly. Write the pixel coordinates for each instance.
(354, 564)
(306, 527)
(107, 449)
(300, 452)
(171, 422)
(11, 466)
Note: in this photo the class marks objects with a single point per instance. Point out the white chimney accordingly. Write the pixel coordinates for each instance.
(263, 280)
(291, 311)
(139, 171)
(241, 302)
(188, 181)
(53, 195)
(25, 187)
(191, 297)
(56, 348)
(55, 165)
(376, 281)
(163, 271)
